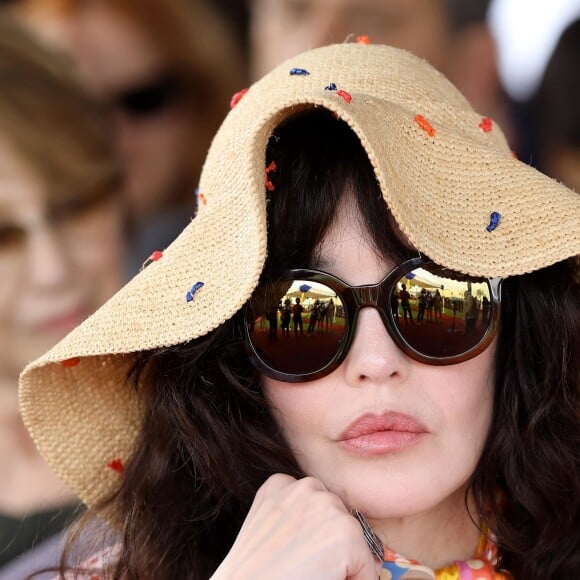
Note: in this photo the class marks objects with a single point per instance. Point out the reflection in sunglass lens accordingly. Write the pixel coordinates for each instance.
(440, 314)
(296, 326)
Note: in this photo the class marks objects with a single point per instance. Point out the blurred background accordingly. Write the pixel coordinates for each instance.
(107, 108)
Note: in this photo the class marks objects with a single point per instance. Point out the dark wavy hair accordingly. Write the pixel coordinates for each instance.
(209, 439)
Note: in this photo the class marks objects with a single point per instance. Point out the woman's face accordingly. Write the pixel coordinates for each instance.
(59, 261)
(155, 125)
(449, 408)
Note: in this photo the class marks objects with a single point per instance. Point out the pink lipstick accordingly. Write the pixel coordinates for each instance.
(382, 434)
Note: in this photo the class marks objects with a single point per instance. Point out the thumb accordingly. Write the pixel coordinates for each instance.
(370, 569)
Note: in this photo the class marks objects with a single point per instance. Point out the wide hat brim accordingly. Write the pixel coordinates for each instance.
(444, 172)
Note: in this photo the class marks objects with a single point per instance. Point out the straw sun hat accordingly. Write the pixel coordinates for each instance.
(446, 173)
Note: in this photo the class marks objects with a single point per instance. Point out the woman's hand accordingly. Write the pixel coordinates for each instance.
(297, 529)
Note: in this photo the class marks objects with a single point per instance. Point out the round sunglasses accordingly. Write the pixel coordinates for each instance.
(299, 325)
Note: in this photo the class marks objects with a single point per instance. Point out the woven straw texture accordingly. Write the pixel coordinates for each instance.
(442, 177)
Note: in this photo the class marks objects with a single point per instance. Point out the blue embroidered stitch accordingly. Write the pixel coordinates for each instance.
(194, 289)
(494, 219)
(330, 87)
(299, 71)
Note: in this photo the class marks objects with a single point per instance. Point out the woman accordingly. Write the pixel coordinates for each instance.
(168, 70)
(60, 254)
(219, 453)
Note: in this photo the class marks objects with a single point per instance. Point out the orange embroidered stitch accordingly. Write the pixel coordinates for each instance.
(70, 362)
(344, 95)
(116, 465)
(271, 167)
(237, 97)
(363, 39)
(486, 124)
(425, 125)
(154, 257)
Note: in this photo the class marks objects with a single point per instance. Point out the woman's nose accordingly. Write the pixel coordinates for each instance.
(373, 357)
(48, 262)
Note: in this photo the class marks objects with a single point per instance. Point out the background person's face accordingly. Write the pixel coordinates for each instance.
(59, 261)
(118, 60)
(281, 29)
(452, 404)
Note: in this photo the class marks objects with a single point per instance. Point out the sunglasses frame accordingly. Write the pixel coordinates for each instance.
(376, 296)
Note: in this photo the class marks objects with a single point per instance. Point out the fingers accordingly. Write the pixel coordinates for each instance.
(299, 529)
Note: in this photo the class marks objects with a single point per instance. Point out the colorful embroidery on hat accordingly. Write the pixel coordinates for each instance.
(344, 95)
(237, 97)
(494, 219)
(70, 362)
(425, 125)
(363, 39)
(154, 257)
(200, 197)
(340, 92)
(116, 465)
(190, 293)
(298, 71)
(486, 124)
(271, 167)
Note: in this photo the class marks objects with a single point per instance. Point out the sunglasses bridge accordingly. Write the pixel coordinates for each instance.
(367, 296)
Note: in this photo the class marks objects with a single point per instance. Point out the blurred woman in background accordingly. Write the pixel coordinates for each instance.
(168, 69)
(60, 258)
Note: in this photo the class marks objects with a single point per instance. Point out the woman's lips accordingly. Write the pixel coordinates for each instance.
(63, 323)
(381, 434)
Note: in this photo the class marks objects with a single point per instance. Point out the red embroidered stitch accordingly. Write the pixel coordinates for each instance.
(237, 98)
(116, 465)
(154, 257)
(271, 167)
(202, 198)
(363, 39)
(70, 362)
(486, 124)
(344, 95)
(425, 125)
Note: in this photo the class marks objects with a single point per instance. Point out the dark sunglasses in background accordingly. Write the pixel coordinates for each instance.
(149, 98)
(300, 325)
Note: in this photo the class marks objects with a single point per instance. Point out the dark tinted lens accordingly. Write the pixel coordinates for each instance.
(148, 99)
(296, 326)
(439, 313)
